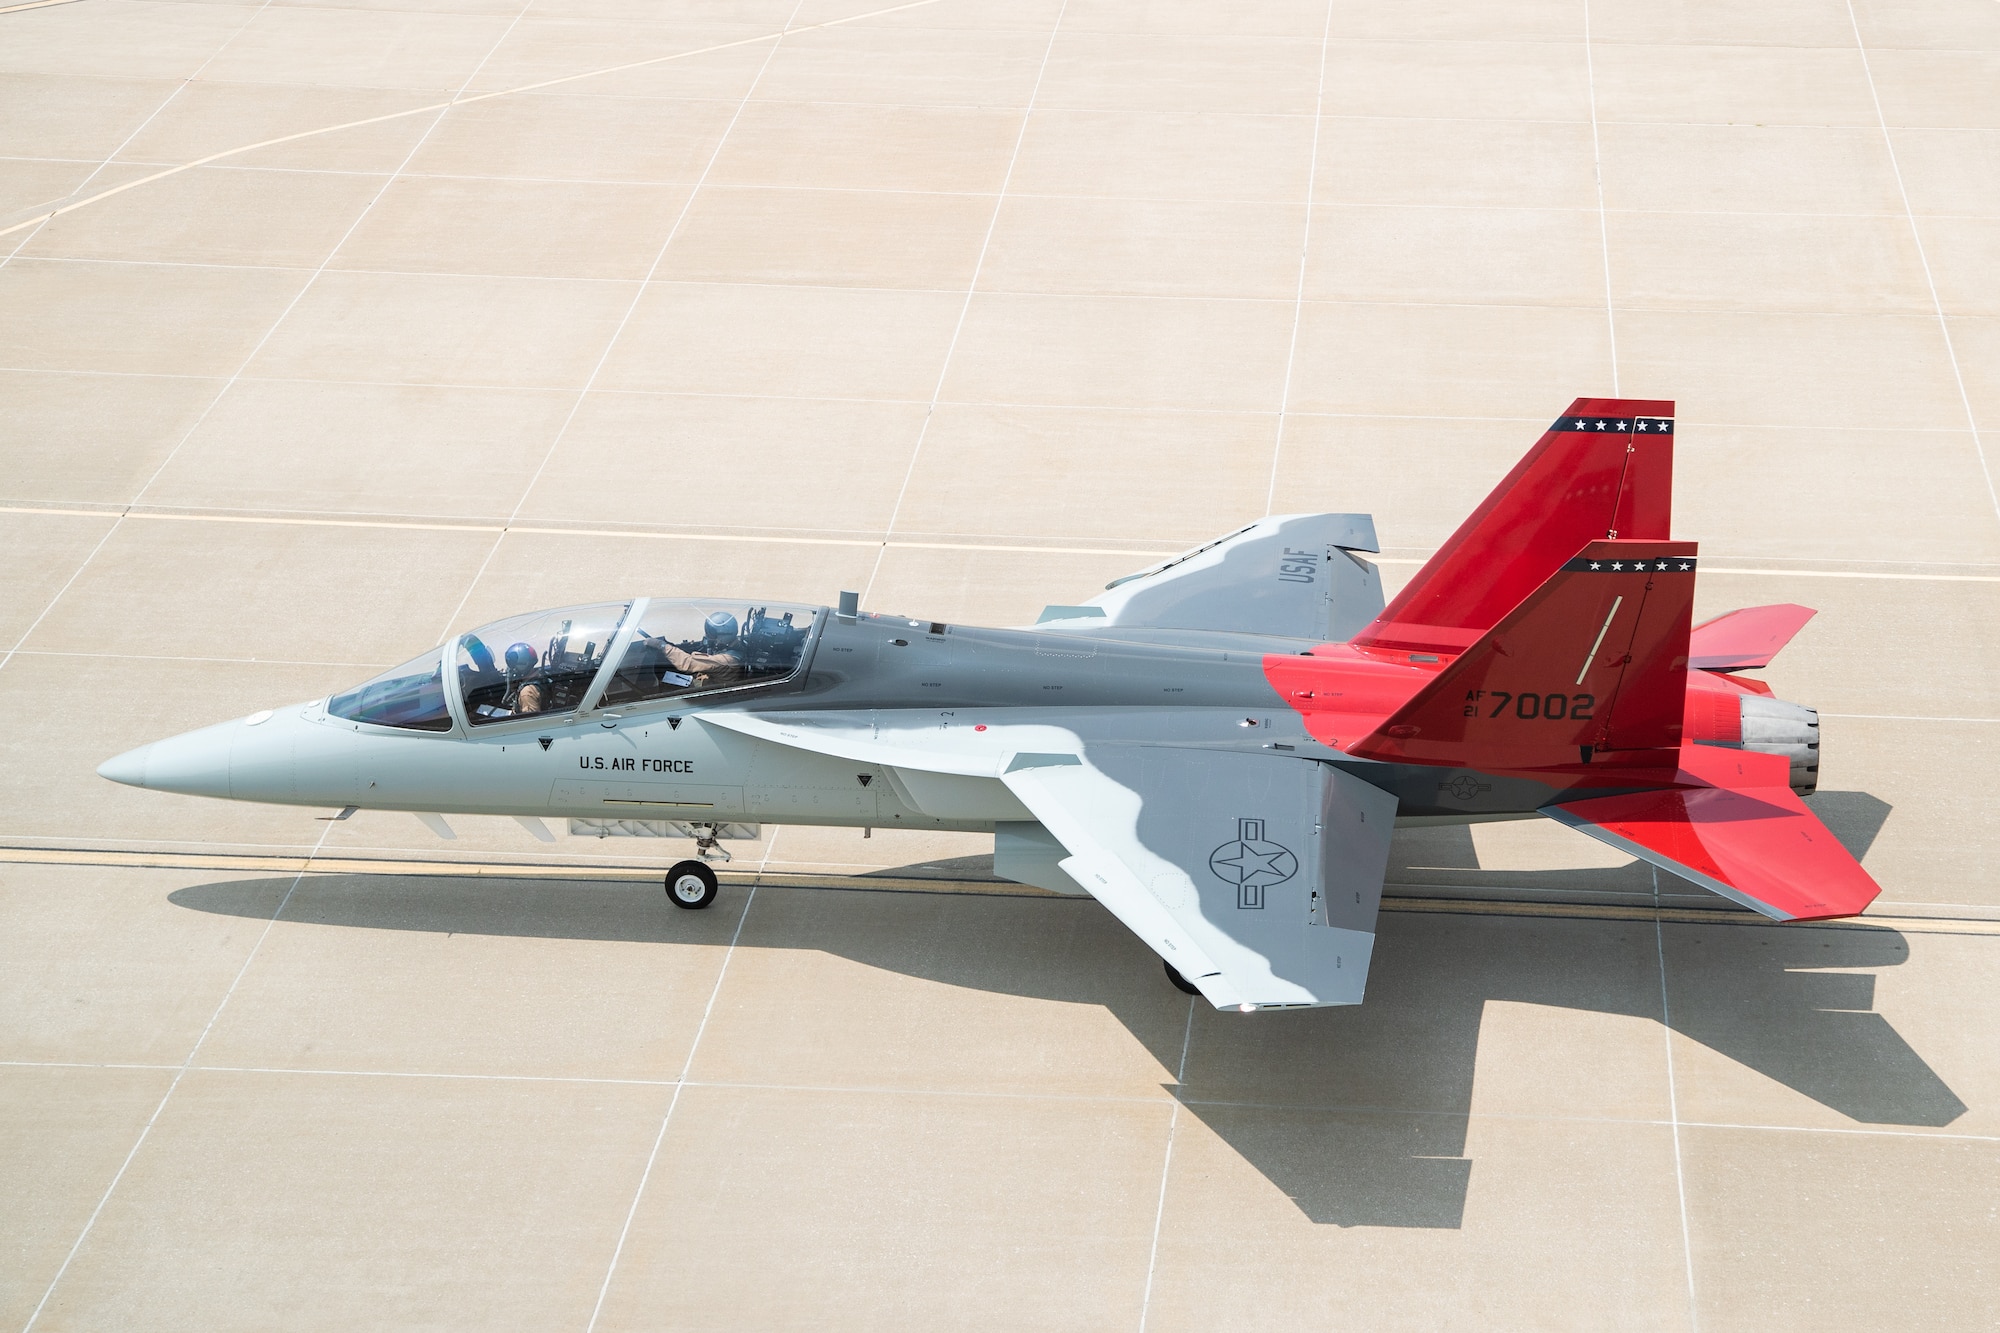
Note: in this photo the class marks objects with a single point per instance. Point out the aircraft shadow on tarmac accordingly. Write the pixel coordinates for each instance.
(1359, 1115)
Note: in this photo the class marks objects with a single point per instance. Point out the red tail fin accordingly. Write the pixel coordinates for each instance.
(1605, 469)
(1590, 669)
(1733, 826)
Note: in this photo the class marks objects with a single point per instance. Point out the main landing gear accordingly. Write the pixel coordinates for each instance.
(1181, 983)
(692, 885)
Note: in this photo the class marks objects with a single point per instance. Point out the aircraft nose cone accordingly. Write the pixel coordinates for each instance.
(128, 768)
(196, 764)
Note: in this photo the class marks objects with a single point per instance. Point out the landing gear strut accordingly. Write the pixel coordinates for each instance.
(708, 846)
(692, 885)
(1181, 983)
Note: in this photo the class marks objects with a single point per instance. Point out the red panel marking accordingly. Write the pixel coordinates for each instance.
(1339, 692)
(1737, 822)
(1595, 659)
(1714, 710)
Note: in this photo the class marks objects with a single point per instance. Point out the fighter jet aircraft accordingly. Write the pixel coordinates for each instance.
(1217, 748)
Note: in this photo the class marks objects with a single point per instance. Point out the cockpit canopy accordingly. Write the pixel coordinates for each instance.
(610, 654)
(409, 696)
(544, 662)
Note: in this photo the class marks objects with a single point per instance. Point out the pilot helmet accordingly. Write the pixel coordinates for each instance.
(719, 628)
(521, 659)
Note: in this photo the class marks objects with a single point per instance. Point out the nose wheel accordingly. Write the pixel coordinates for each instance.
(692, 885)
(1181, 983)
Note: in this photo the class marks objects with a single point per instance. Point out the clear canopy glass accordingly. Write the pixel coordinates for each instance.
(409, 696)
(539, 663)
(545, 662)
(682, 646)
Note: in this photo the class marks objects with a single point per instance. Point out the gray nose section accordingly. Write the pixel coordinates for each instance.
(128, 768)
(196, 764)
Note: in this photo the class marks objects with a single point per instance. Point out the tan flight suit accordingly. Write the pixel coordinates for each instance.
(706, 668)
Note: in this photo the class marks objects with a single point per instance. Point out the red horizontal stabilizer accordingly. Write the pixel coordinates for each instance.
(1737, 830)
(1747, 638)
(1590, 670)
(1605, 468)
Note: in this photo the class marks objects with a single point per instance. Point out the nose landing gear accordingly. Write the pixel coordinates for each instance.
(691, 884)
(708, 845)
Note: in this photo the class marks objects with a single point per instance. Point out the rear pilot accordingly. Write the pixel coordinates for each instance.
(718, 663)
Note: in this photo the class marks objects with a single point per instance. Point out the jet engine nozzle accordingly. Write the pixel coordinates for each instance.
(1775, 726)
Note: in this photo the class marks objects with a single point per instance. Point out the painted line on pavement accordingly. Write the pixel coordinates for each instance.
(42, 215)
(1905, 717)
(780, 539)
(334, 865)
(327, 865)
(527, 530)
(1910, 925)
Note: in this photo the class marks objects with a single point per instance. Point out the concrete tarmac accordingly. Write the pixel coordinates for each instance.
(328, 331)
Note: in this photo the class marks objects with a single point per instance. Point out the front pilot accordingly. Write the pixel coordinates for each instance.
(526, 691)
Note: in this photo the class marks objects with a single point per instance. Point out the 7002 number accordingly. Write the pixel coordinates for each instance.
(1530, 706)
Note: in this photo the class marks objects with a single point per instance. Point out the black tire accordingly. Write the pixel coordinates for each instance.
(1181, 983)
(691, 884)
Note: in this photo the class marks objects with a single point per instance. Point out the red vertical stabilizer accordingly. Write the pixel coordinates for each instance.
(1605, 469)
(1590, 670)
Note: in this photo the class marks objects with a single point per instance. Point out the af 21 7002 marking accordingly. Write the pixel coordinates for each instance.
(1556, 706)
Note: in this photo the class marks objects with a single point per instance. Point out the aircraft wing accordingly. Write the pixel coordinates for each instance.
(1257, 876)
(1289, 576)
